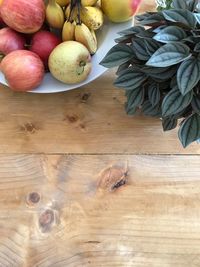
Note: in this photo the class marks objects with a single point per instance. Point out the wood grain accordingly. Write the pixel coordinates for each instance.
(97, 211)
(88, 120)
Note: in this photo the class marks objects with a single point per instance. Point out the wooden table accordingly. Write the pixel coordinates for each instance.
(84, 185)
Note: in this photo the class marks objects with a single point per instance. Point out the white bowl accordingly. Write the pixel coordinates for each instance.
(106, 36)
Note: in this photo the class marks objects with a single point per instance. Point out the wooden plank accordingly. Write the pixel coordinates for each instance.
(88, 120)
(115, 211)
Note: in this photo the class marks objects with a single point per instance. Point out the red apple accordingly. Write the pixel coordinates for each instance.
(23, 70)
(10, 40)
(22, 15)
(43, 43)
(135, 5)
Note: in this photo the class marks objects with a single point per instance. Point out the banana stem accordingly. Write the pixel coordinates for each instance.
(72, 7)
(79, 11)
(75, 4)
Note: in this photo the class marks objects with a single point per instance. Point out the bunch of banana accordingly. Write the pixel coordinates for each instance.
(78, 20)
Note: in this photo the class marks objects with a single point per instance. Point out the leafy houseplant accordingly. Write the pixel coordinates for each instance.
(159, 67)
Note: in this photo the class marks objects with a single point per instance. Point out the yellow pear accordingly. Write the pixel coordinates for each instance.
(70, 62)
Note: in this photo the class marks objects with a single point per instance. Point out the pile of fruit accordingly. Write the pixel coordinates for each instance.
(56, 36)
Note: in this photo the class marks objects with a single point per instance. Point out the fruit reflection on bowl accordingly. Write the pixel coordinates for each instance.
(106, 36)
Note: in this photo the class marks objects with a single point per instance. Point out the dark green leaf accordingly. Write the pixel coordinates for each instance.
(160, 73)
(135, 97)
(149, 110)
(118, 55)
(130, 79)
(190, 130)
(145, 34)
(123, 39)
(154, 94)
(122, 67)
(174, 102)
(179, 4)
(170, 34)
(192, 39)
(169, 123)
(195, 32)
(186, 112)
(151, 46)
(188, 75)
(165, 86)
(130, 110)
(185, 4)
(143, 16)
(173, 82)
(139, 48)
(197, 47)
(196, 103)
(192, 4)
(181, 114)
(169, 54)
(154, 19)
(158, 29)
(181, 16)
(131, 31)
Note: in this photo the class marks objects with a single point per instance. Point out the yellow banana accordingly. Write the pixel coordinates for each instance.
(68, 32)
(88, 2)
(86, 37)
(54, 15)
(92, 17)
(63, 2)
(74, 13)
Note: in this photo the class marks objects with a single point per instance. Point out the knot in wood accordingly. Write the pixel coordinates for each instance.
(29, 127)
(46, 220)
(113, 178)
(72, 118)
(33, 198)
(85, 97)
